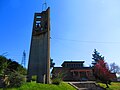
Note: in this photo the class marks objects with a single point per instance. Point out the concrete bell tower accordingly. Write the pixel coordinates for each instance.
(39, 57)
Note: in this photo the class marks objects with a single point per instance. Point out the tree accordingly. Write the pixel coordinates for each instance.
(15, 79)
(114, 68)
(11, 72)
(96, 57)
(101, 72)
(3, 65)
(51, 63)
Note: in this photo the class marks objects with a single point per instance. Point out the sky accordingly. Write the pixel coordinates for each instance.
(77, 28)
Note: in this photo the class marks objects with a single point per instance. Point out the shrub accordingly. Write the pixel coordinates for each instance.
(34, 78)
(56, 81)
(15, 79)
(11, 73)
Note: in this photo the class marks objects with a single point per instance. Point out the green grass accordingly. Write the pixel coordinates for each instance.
(113, 86)
(38, 86)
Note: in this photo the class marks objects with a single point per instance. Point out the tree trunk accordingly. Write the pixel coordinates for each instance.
(107, 85)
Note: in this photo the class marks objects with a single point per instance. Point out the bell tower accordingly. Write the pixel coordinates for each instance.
(39, 56)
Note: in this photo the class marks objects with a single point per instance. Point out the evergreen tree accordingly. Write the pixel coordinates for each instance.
(52, 64)
(96, 57)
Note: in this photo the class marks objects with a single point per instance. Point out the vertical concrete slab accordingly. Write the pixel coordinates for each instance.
(39, 57)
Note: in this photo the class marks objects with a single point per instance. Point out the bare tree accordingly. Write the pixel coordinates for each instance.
(114, 68)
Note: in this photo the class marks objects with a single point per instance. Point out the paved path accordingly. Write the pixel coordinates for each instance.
(85, 85)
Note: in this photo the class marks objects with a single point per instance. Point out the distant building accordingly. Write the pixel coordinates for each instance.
(73, 71)
(114, 77)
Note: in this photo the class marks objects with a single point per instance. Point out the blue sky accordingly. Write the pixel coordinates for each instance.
(77, 28)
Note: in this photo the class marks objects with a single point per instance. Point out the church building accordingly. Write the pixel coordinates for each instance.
(73, 71)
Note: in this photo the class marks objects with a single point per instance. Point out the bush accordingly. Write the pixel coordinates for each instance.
(56, 81)
(15, 79)
(34, 78)
(11, 73)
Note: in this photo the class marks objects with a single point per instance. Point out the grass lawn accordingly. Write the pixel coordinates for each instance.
(113, 86)
(38, 86)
